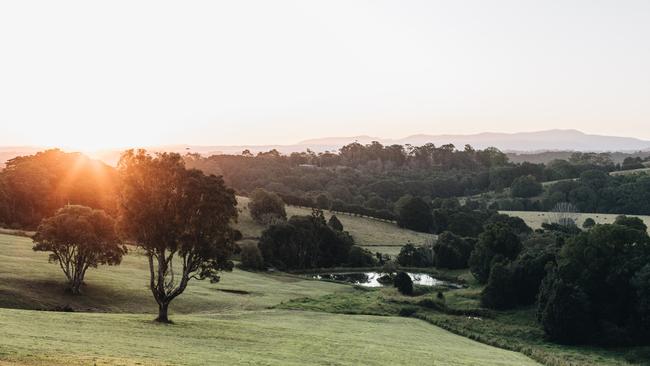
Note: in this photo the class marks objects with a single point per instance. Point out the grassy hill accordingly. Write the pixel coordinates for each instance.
(233, 322)
(375, 235)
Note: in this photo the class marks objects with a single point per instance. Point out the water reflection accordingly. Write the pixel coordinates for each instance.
(378, 279)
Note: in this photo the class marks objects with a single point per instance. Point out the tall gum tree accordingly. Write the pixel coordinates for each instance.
(180, 218)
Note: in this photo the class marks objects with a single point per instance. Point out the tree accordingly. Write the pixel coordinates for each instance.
(589, 223)
(526, 186)
(266, 207)
(499, 292)
(251, 257)
(496, 243)
(323, 201)
(176, 215)
(412, 256)
(403, 283)
(451, 251)
(335, 223)
(79, 238)
(415, 214)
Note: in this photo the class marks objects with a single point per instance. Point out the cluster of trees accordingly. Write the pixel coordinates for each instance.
(598, 290)
(596, 191)
(590, 286)
(305, 242)
(180, 218)
(469, 236)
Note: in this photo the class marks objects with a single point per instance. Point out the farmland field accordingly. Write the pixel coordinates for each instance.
(535, 219)
(233, 322)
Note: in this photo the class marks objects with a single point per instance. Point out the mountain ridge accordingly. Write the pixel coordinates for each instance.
(518, 142)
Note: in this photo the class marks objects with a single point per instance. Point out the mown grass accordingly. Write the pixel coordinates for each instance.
(260, 338)
(459, 312)
(225, 323)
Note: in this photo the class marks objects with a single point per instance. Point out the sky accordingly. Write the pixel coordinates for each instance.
(91, 74)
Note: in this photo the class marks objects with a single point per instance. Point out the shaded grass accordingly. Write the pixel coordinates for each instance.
(27, 281)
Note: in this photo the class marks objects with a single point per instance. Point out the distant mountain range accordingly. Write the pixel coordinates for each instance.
(550, 140)
(522, 142)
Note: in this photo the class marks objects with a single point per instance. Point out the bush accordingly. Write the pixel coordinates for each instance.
(251, 257)
(360, 257)
(266, 207)
(589, 223)
(403, 283)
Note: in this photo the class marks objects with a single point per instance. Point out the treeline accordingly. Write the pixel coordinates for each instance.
(370, 179)
(590, 286)
(593, 191)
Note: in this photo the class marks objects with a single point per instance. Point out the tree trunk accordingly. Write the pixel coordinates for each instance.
(162, 312)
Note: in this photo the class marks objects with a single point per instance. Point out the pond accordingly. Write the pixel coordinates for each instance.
(379, 279)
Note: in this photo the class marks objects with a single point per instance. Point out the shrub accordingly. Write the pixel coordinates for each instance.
(360, 257)
(404, 283)
(407, 311)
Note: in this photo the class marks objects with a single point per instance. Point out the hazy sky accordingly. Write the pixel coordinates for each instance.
(116, 73)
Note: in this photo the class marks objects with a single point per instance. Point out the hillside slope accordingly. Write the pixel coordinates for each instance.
(225, 323)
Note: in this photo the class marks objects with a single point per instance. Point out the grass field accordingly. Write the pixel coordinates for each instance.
(234, 322)
(460, 313)
(535, 219)
(367, 232)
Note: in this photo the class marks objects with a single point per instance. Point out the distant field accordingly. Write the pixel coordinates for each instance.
(367, 232)
(213, 323)
(535, 219)
(632, 171)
